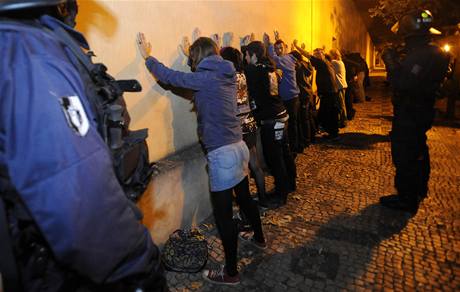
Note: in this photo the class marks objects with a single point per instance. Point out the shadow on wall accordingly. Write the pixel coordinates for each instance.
(171, 200)
(95, 15)
(178, 197)
(350, 36)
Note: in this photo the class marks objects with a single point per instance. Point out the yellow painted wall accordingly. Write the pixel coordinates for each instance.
(111, 26)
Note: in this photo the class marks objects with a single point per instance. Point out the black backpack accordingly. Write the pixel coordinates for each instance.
(129, 148)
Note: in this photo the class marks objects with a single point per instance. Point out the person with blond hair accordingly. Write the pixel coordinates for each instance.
(340, 74)
(214, 83)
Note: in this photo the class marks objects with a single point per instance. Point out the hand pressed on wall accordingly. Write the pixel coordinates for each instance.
(227, 39)
(245, 40)
(266, 39)
(216, 38)
(185, 46)
(196, 34)
(143, 45)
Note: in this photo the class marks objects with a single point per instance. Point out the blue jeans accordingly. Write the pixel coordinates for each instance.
(227, 166)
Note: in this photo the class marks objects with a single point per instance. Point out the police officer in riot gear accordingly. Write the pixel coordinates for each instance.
(416, 79)
(65, 222)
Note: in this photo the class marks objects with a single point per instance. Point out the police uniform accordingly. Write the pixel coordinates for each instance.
(416, 80)
(53, 159)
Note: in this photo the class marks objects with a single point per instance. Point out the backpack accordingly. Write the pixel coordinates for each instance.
(129, 149)
(185, 251)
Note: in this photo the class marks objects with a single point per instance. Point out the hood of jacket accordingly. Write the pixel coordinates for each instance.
(217, 64)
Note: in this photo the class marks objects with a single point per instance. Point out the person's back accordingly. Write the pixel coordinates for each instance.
(272, 117)
(325, 76)
(304, 72)
(288, 88)
(263, 88)
(63, 179)
(339, 68)
(213, 77)
(216, 116)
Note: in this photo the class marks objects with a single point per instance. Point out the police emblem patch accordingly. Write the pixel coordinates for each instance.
(75, 114)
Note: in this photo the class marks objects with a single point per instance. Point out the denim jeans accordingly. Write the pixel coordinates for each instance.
(227, 166)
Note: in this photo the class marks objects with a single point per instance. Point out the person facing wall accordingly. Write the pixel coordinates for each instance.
(340, 74)
(214, 81)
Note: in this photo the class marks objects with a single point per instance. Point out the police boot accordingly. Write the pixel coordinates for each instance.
(399, 202)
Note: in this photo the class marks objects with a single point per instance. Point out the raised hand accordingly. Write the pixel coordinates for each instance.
(245, 40)
(277, 35)
(216, 38)
(295, 43)
(185, 46)
(196, 34)
(266, 38)
(227, 39)
(143, 45)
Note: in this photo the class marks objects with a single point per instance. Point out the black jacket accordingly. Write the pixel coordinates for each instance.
(263, 89)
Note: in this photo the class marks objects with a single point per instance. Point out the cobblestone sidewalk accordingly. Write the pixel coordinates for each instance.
(333, 236)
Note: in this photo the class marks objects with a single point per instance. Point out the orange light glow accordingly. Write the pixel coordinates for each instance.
(446, 48)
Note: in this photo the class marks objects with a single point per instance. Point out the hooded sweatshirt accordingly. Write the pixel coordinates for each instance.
(287, 63)
(214, 83)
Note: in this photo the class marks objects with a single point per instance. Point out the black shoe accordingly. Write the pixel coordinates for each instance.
(399, 203)
(351, 115)
(292, 186)
(332, 137)
(271, 203)
(282, 199)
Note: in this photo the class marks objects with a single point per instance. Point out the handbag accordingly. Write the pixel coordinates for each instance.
(185, 251)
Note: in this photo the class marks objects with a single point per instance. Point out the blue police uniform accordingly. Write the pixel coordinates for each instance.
(60, 167)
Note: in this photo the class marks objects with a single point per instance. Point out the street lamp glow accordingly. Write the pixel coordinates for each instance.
(446, 48)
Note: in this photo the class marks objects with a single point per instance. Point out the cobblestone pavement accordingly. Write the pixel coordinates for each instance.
(333, 236)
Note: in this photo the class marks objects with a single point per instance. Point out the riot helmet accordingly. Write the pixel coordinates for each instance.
(64, 10)
(415, 23)
(14, 5)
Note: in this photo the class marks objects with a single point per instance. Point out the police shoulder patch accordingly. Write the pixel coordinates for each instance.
(75, 114)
